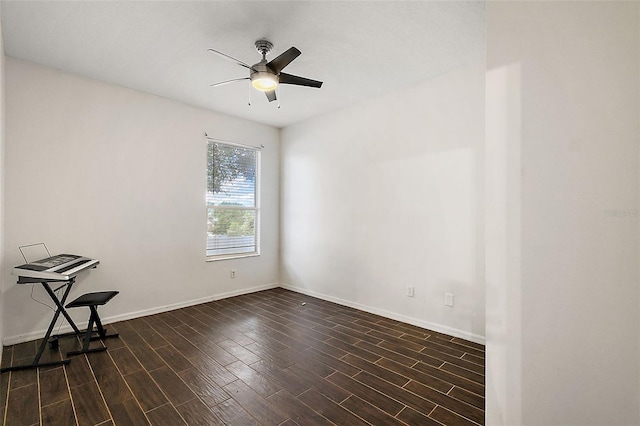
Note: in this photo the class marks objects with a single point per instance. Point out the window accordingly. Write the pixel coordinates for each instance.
(233, 210)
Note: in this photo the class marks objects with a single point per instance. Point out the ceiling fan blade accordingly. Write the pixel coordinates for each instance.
(237, 61)
(284, 59)
(299, 81)
(228, 81)
(271, 95)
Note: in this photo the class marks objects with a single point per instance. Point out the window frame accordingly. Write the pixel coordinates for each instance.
(256, 208)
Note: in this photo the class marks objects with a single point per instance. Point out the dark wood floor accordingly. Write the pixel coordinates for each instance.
(269, 358)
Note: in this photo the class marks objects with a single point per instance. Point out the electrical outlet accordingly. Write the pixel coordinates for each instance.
(448, 299)
(410, 290)
(233, 273)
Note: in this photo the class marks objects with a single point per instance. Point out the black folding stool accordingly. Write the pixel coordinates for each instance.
(92, 301)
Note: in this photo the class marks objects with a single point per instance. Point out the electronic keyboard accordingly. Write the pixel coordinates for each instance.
(61, 267)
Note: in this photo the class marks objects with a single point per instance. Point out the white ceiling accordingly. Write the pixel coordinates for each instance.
(358, 49)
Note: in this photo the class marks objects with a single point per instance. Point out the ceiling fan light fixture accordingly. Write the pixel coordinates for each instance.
(264, 81)
(266, 76)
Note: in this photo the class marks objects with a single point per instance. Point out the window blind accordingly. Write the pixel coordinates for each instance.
(232, 200)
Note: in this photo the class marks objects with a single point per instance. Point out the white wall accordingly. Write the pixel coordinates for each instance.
(503, 241)
(388, 194)
(563, 108)
(119, 175)
(2, 185)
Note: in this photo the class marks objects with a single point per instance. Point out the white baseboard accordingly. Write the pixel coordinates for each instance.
(66, 328)
(392, 315)
(12, 340)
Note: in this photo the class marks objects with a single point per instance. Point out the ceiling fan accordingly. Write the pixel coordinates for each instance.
(265, 76)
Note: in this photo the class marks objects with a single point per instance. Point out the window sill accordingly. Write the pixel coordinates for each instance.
(231, 256)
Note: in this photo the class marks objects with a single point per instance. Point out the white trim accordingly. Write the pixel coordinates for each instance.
(257, 191)
(392, 315)
(215, 258)
(20, 338)
(241, 145)
(66, 328)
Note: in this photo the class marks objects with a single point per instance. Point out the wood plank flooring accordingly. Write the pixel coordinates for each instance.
(274, 357)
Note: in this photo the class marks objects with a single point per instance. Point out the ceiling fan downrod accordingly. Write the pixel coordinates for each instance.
(264, 47)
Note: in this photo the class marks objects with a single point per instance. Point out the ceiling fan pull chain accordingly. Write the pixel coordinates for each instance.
(250, 91)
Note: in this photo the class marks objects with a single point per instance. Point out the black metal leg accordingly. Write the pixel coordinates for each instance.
(94, 314)
(60, 304)
(87, 335)
(29, 366)
(102, 332)
(94, 318)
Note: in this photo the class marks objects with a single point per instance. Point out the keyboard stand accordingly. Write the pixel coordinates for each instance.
(60, 310)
